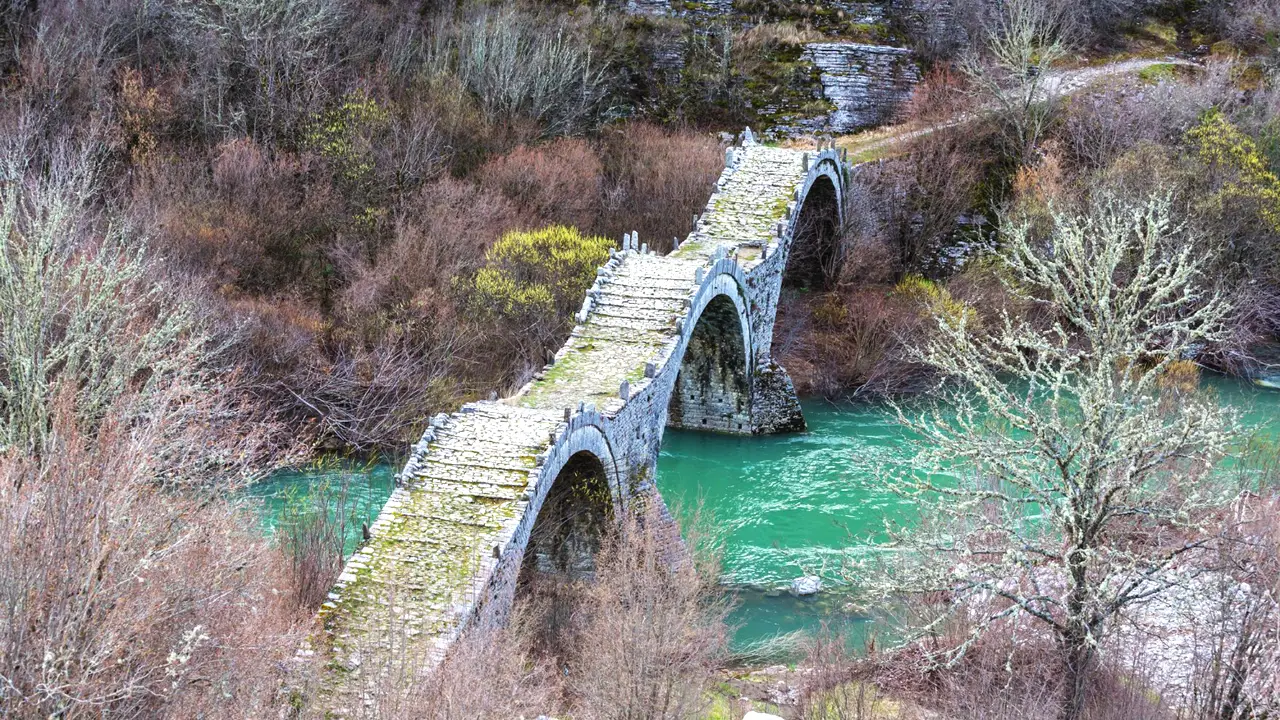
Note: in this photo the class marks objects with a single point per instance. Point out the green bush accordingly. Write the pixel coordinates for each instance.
(1221, 144)
(537, 275)
(937, 301)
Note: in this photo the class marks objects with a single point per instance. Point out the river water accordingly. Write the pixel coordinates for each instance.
(787, 505)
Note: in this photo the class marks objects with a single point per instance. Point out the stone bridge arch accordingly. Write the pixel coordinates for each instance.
(576, 489)
(714, 358)
(813, 251)
(684, 338)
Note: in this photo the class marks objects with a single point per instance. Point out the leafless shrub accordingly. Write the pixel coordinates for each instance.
(936, 182)
(441, 233)
(373, 399)
(940, 97)
(560, 182)
(258, 67)
(312, 531)
(839, 686)
(245, 220)
(1021, 43)
(653, 632)
(67, 52)
(1250, 23)
(389, 348)
(1236, 661)
(413, 151)
(1101, 126)
(658, 179)
(1009, 677)
(401, 301)
(119, 597)
(851, 342)
(516, 63)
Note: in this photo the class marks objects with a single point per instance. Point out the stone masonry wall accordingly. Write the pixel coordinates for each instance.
(447, 549)
(713, 386)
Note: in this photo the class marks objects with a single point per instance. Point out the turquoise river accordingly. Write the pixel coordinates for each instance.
(787, 505)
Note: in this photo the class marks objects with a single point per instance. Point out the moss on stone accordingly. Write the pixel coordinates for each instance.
(1156, 74)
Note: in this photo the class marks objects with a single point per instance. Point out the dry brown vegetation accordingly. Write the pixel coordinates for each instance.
(366, 300)
(285, 196)
(119, 596)
(642, 638)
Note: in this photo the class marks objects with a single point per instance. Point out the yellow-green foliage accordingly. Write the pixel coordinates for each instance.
(1156, 74)
(937, 301)
(1180, 375)
(1162, 31)
(831, 311)
(539, 272)
(336, 134)
(1223, 145)
(720, 707)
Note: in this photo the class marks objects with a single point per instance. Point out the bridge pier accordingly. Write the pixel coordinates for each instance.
(775, 407)
(529, 482)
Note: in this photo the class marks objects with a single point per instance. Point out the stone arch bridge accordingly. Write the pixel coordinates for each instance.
(680, 340)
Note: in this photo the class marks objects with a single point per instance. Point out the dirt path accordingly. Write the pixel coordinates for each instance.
(878, 143)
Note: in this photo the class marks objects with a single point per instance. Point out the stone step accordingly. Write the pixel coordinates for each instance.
(445, 520)
(626, 322)
(454, 443)
(456, 473)
(468, 470)
(638, 290)
(508, 433)
(452, 486)
(600, 334)
(639, 299)
(659, 317)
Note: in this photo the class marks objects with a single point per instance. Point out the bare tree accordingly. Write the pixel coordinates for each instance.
(935, 184)
(1062, 504)
(120, 598)
(259, 65)
(1012, 77)
(78, 307)
(516, 63)
(651, 631)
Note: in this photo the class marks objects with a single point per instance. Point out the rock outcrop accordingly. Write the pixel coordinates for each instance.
(868, 84)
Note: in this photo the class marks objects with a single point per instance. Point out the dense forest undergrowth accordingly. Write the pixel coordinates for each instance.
(239, 233)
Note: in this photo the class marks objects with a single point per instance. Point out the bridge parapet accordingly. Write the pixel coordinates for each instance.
(682, 339)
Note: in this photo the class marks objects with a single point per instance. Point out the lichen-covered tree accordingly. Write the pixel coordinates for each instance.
(1058, 487)
(80, 311)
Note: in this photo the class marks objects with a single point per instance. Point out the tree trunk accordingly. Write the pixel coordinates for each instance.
(1077, 662)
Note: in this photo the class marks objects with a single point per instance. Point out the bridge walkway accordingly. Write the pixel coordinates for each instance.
(403, 598)
(639, 300)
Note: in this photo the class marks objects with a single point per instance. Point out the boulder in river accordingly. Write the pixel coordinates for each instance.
(806, 585)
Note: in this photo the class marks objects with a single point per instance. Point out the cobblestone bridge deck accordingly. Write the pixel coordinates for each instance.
(680, 340)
